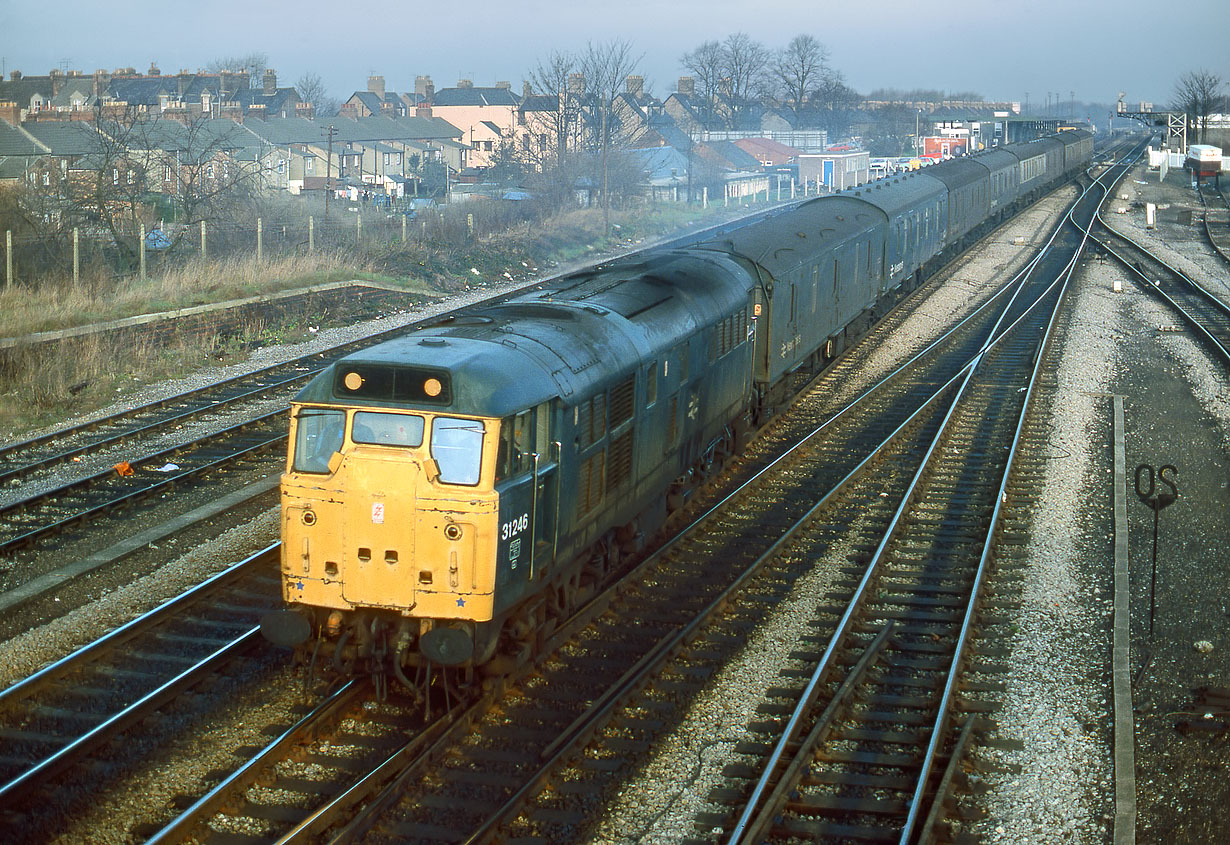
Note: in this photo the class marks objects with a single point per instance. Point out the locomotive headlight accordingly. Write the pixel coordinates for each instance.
(353, 381)
(452, 531)
(308, 517)
(432, 387)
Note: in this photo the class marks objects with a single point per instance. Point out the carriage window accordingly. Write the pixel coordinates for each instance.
(457, 446)
(387, 429)
(318, 434)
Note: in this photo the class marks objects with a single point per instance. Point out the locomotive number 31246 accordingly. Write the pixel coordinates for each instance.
(514, 527)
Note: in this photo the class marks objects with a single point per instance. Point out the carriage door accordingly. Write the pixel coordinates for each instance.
(546, 492)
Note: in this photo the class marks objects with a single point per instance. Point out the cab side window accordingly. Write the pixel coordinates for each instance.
(516, 444)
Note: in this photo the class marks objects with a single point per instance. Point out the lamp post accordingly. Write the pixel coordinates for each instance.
(917, 113)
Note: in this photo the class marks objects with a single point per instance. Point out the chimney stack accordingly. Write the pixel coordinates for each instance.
(375, 84)
(504, 86)
(686, 86)
(635, 86)
(271, 82)
(576, 83)
(424, 87)
(527, 90)
(101, 80)
(465, 83)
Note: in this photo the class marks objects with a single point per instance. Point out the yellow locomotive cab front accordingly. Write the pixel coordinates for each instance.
(389, 518)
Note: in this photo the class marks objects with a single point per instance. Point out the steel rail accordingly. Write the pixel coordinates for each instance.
(938, 732)
(81, 486)
(136, 626)
(9, 473)
(182, 826)
(83, 658)
(742, 830)
(1200, 295)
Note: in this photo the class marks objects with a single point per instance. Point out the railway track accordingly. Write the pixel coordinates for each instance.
(1205, 314)
(63, 716)
(70, 506)
(1216, 220)
(496, 758)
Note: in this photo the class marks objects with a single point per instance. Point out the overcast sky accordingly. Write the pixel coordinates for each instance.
(1002, 50)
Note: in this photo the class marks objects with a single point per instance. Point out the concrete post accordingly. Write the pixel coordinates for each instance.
(8, 258)
(141, 252)
(470, 226)
(311, 233)
(76, 256)
(204, 254)
(704, 197)
(403, 230)
(358, 229)
(260, 238)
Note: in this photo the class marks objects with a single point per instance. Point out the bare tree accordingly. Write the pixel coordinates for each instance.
(606, 66)
(553, 109)
(254, 63)
(745, 63)
(798, 68)
(311, 89)
(136, 157)
(706, 64)
(1198, 95)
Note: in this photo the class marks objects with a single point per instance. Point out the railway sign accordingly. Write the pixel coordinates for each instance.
(1156, 500)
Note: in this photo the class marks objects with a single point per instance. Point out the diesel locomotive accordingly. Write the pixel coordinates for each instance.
(450, 495)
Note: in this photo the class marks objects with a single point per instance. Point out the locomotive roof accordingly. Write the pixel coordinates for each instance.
(485, 378)
(568, 340)
(817, 226)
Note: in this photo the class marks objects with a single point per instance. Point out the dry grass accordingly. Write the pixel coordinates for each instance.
(40, 385)
(60, 305)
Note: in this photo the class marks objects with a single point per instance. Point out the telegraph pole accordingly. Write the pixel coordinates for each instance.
(330, 132)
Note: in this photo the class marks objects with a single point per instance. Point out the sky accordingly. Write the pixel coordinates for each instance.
(1005, 51)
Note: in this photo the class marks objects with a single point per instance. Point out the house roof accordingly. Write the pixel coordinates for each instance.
(79, 88)
(492, 126)
(474, 97)
(14, 141)
(143, 90)
(767, 148)
(734, 157)
(297, 130)
(65, 137)
(22, 90)
(281, 100)
(663, 165)
(540, 102)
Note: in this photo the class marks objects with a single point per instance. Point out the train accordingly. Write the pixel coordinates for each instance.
(451, 495)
